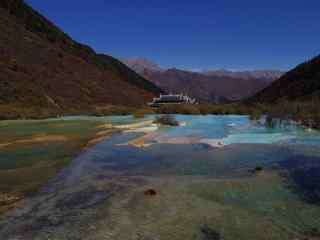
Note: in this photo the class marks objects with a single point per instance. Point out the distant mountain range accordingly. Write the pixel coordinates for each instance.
(300, 84)
(216, 86)
(269, 75)
(42, 67)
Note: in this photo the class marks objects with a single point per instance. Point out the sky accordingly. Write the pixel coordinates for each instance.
(194, 35)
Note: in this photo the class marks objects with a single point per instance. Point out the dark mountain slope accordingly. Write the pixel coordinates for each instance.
(42, 67)
(302, 83)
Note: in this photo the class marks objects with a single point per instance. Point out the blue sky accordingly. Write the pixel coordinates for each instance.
(203, 34)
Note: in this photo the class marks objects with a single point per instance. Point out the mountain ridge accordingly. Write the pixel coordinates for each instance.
(301, 83)
(141, 64)
(218, 86)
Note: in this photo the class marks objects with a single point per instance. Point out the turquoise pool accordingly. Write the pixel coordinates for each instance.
(264, 184)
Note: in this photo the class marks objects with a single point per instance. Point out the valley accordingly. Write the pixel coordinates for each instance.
(96, 144)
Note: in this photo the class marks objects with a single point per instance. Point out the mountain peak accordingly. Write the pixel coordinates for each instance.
(140, 64)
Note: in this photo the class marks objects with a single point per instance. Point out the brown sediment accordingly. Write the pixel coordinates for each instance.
(135, 125)
(105, 126)
(101, 135)
(145, 140)
(96, 140)
(7, 198)
(155, 137)
(180, 140)
(104, 133)
(2, 145)
(37, 139)
(10, 201)
(44, 138)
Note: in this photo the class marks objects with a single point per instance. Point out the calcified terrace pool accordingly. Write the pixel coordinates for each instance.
(258, 183)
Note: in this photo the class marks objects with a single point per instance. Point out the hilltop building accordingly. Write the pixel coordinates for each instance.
(172, 99)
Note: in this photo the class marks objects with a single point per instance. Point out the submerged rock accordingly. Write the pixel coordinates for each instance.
(258, 169)
(209, 233)
(150, 192)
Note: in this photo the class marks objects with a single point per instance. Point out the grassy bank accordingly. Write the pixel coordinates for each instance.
(11, 112)
(32, 152)
(304, 112)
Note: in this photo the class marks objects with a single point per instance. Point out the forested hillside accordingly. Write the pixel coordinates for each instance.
(43, 71)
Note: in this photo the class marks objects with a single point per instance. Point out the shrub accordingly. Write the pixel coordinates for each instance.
(179, 109)
(167, 120)
(138, 114)
(142, 112)
(14, 65)
(255, 115)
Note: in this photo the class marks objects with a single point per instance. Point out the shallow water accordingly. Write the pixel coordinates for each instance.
(233, 129)
(201, 192)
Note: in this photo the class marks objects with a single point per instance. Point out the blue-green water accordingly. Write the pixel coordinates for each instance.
(233, 129)
(201, 190)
